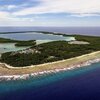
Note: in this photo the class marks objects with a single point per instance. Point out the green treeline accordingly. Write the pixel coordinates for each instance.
(26, 43)
(18, 42)
(4, 40)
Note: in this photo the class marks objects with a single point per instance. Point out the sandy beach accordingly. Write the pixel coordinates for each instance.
(14, 73)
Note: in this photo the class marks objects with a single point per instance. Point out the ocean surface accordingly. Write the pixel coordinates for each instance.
(67, 30)
(78, 84)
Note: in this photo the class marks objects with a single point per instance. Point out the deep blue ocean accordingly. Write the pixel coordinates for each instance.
(66, 30)
(78, 84)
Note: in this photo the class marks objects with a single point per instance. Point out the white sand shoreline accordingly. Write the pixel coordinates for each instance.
(26, 76)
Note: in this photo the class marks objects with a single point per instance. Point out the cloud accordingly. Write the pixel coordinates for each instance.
(62, 6)
(42, 12)
(11, 7)
(73, 7)
(6, 16)
(8, 7)
(85, 14)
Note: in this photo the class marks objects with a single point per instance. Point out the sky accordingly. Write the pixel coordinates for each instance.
(60, 13)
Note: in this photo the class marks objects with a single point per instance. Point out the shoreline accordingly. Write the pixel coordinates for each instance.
(27, 76)
(16, 73)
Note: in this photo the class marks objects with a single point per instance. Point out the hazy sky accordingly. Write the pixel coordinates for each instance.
(49, 12)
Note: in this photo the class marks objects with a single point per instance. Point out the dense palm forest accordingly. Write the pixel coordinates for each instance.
(18, 42)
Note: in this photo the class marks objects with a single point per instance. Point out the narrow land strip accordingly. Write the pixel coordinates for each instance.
(9, 72)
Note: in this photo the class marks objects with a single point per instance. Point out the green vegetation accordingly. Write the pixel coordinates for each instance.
(52, 51)
(18, 42)
(4, 40)
(22, 59)
(26, 43)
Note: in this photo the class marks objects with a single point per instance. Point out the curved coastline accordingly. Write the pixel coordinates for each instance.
(16, 73)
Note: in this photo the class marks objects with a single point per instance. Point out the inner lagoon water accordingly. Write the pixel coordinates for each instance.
(33, 36)
(78, 84)
(39, 37)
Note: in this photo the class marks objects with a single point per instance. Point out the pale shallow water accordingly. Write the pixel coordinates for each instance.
(7, 47)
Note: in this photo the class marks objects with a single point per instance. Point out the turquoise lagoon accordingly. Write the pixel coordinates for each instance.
(39, 37)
